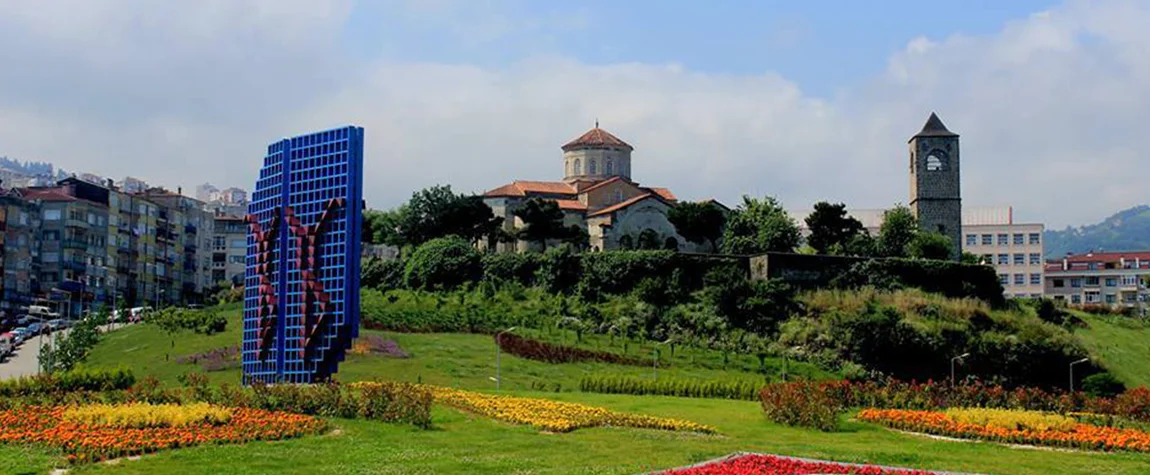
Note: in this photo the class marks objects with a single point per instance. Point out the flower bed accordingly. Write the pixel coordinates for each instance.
(755, 464)
(217, 359)
(87, 442)
(555, 416)
(1021, 428)
(551, 353)
(377, 345)
(141, 415)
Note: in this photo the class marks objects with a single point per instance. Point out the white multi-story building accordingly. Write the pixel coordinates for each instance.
(1102, 278)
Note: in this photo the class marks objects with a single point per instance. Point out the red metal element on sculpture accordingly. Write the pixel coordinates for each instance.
(316, 304)
(268, 300)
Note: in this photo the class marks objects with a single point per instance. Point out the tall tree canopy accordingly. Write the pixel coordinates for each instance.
(382, 227)
(831, 226)
(438, 212)
(758, 226)
(929, 245)
(899, 228)
(699, 222)
(542, 221)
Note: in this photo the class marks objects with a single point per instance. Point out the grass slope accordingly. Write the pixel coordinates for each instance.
(1122, 344)
(464, 443)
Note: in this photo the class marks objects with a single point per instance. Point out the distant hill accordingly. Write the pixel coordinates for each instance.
(1127, 230)
(27, 168)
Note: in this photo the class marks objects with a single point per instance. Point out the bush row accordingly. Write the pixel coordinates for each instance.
(66, 382)
(952, 279)
(733, 389)
(805, 402)
(556, 354)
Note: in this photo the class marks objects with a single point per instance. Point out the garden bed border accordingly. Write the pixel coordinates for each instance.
(736, 455)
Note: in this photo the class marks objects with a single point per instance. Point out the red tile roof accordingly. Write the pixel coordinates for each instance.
(603, 183)
(523, 188)
(664, 193)
(1109, 256)
(624, 204)
(47, 194)
(597, 137)
(571, 205)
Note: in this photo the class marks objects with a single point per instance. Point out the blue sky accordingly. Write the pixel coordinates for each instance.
(822, 45)
(801, 100)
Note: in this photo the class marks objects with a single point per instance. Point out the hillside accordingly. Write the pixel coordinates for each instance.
(1123, 345)
(1127, 230)
(465, 443)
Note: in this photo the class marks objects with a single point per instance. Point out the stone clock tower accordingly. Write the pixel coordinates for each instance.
(935, 188)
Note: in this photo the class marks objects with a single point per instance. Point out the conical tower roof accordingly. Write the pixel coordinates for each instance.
(934, 128)
(597, 137)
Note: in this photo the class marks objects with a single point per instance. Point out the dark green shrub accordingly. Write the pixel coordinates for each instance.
(729, 389)
(80, 379)
(382, 275)
(1103, 385)
(952, 279)
(1050, 313)
(559, 270)
(617, 272)
(511, 267)
(442, 264)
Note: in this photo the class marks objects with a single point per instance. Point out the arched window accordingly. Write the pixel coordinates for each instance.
(578, 167)
(934, 163)
(609, 168)
(591, 167)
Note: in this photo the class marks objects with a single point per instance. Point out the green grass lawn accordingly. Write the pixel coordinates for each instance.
(464, 443)
(1122, 344)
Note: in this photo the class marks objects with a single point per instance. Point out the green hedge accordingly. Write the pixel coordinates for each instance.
(512, 267)
(442, 263)
(732, 389)
(953, 279)
(67, 382)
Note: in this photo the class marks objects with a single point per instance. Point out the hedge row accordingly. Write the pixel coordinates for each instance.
(734, 389)
(66, 382)
(952, 279)
(558, 354)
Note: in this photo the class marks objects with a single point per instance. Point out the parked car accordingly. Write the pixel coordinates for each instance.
(21, 334)
(56, 324)
(36, 329)
(25, 320)
(7, 345)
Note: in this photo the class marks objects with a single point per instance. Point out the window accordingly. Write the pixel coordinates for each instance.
(578, 167)
(1003, 259)
(1003, 239)
(1019, 279)
(1035, 259)
(591, 167)
(988, 258)
(971, 239)
(987, 240)
(609, 167)
(239, 243)
(933, 163)
(1019, 259)
(1035, 238)
(1075, 298)
(1076, 282)
(51, 215)
(1091, 281)
(51, 235)
(1129, 298)
(1004, 279)
(236, 259)
(1018, 239)
(1111, 282)
(1093, 298)
(1035, 279)
(1111, 298)
(50, 257)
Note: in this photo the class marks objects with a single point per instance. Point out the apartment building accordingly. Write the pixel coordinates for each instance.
(19, 222)
(1014, 249)
(72, 250)
(229, 249)
(183, 240)
(1103, 278)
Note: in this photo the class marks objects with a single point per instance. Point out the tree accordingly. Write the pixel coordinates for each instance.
(831, 226)
(542, 220)
(899, 228)
(649, 240)
(859, 245)
(699, 222)
(443, 264)
(968, 258)
(929, 245)
(759, 226)
(438, 212)
(382, 227)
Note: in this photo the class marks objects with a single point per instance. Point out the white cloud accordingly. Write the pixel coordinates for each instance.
(1050, 108)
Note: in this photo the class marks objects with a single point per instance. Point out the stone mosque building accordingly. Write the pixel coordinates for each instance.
(597, 193)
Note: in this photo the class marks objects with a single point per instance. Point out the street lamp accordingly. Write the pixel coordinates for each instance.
(655, 370)
(952, 362)
(499, 379)
(1083, 360)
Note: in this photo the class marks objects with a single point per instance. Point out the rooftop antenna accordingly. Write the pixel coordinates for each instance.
(596, 122)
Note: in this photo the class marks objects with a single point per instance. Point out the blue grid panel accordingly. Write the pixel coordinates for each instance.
(304, 174)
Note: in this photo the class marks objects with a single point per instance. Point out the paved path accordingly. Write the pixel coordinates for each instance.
(26, 360)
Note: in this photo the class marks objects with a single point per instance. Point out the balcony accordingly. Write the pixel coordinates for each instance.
(74, 244)
(75, 265)
(190, 229)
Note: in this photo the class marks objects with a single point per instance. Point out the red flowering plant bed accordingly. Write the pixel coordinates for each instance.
(758, 464)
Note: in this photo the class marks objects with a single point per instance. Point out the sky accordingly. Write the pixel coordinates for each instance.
(804, 101)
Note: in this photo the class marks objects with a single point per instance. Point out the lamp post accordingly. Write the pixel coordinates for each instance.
(655, 369)
(498, 378)
(952, 362)
(1083, 360)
